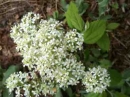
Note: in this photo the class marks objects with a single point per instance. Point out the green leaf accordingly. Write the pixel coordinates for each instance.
(69, 92)
(115, 77)
(117, 94)
(93, 95)
(125, 89)
(9, 71)
(82, 6)
(95, 31)
(102, 6)
(2, 71)
(105, 63)
(86, 25)
(95, 52)
(104, 94)
(55, 15)
(105, 17)
(1, 85)
(86, 54)
(128, 90)
(103, 3)
(79, 2)
(73, 18)
(126, 74)
(104, 42)
(115, 5)
(6, 93)
(58, 92)
(78, 22)
(63, 4)
(112, 26)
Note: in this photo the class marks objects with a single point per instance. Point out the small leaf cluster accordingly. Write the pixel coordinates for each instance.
(4, 74)
(97, 32)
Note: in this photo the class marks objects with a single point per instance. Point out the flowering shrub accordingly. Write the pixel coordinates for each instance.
(49, 52)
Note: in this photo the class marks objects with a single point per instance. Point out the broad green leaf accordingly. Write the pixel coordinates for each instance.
(79, 2)
(112, 26)
(104, 42)
(102, 10)
(95, 31)
(95, 52)
(63, 4)
(86, 54)
(117, 94)
(126, 74)
(128, 90)
(82, 6)
(9, 71)
(58, 93)
(1, 85)
(125, 89)
(115, 5)
(6, 93)
(115, 77)
(93, 95)
(105, 63)
(73, 18)
(105, 17)
(102, 6)
(71, 9)
(104, 94)
(103, 3)
(77, 22)
(2, 70)
(69, 92)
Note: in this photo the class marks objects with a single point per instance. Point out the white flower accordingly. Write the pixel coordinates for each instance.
(74, 40)
(47, 51)
(96, 80)
(15, 80)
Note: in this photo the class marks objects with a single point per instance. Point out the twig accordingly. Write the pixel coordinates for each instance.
(109, 92)
(10, 10)
(9, 1)
(56, 4)
(119, 41)
(114, 61)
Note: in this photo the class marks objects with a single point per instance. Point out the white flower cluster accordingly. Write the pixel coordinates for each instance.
(28, 84)
(96, 80)
(47, 51)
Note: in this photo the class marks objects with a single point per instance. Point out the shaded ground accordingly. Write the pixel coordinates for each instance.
(12, 10)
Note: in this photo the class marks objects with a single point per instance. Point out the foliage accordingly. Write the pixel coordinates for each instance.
(102, 6)
(81, 6)
(4, 74)
(95, 31)
(74, 20)
(95, 72)
(104, 42)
